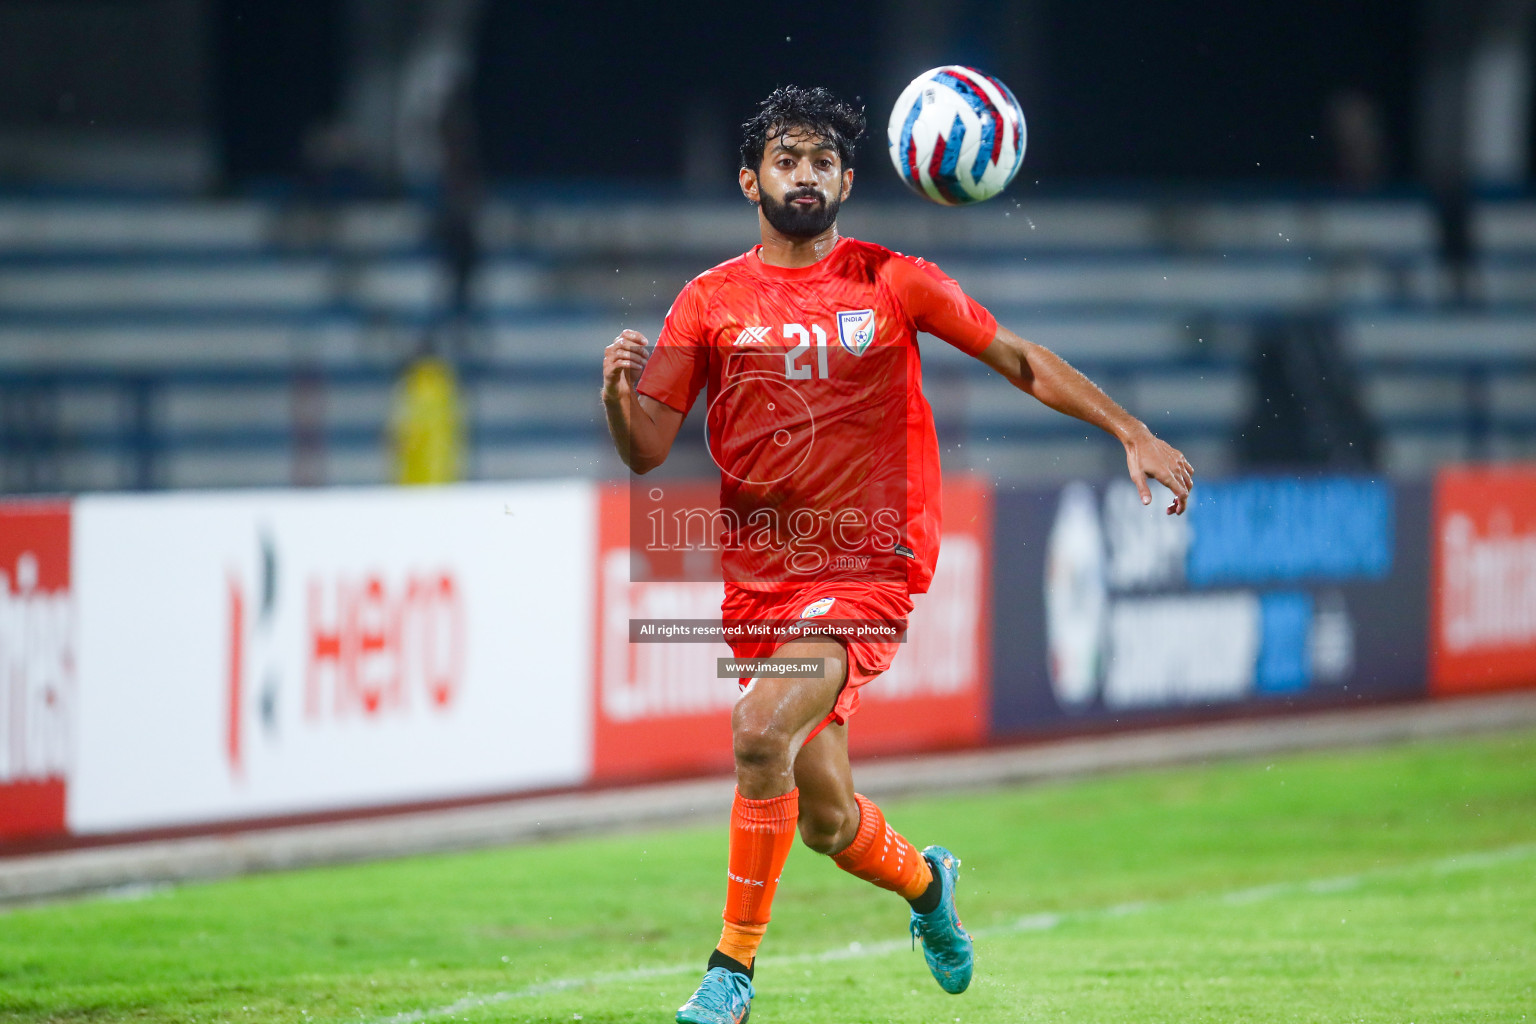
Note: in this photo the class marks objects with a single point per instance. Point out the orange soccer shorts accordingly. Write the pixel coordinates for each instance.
(848, 601)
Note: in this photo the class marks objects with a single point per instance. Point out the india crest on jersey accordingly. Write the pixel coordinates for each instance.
(856, 329)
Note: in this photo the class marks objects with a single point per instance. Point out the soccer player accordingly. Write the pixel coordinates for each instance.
(806, 347)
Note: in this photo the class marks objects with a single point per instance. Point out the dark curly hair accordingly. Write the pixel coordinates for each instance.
(816, 110)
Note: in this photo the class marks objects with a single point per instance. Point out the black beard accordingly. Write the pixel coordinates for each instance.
(793, 222)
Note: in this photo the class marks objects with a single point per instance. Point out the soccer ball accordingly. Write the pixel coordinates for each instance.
(956, 135)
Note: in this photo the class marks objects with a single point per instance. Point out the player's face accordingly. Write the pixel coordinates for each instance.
(800, 184)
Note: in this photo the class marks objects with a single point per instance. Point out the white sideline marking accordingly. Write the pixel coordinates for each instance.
(1030, 923)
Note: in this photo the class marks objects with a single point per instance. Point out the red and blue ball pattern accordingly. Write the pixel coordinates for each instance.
(956, 135)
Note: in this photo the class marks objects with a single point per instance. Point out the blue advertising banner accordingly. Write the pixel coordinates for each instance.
(1271, 591)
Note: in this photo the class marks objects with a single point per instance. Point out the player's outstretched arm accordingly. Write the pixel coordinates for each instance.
(642, 428)
(1045, 375)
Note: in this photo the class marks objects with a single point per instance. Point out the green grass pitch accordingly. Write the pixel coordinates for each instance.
(1385, 885)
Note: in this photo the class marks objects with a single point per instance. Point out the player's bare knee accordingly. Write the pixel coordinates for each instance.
(827, 830)
(761, 750)
(759, 742)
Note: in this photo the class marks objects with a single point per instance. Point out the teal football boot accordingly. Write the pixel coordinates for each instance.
(946, 944)
(724, 997)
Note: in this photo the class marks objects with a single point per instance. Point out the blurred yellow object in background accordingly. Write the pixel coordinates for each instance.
(426, 425)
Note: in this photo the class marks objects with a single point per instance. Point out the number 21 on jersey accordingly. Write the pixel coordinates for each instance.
(793, 370)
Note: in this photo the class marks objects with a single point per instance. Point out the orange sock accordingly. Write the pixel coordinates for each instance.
(762, 831)
(881, 855)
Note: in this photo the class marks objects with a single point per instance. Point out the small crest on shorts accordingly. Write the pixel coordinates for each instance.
(817, 608)
(856, 329)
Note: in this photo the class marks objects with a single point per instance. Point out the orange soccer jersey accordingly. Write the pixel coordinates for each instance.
(829, 461)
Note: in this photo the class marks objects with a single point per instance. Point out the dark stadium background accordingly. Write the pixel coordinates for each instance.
(1114, 89)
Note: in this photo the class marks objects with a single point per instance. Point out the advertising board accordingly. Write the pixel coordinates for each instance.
(1483, 587)
(255, 654)
(1268, 591)
(37, 668)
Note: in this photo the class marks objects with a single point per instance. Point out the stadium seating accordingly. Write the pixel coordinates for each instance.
(180, 343)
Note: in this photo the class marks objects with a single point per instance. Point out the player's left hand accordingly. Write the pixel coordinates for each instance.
(1147, 455)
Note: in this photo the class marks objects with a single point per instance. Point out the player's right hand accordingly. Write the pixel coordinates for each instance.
(623, 362)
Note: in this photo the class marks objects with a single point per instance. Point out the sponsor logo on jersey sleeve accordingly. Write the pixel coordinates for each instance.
(818, 608)
(856, 329)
